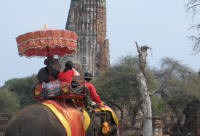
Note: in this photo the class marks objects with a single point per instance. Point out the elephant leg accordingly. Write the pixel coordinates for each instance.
(90, 130)
(97, 125)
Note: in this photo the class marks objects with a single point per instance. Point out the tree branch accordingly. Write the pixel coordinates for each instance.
(162, 85)
(144, 47)
(193, 6)
(138, 49)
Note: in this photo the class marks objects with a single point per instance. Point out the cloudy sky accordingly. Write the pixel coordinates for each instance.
(161, 24)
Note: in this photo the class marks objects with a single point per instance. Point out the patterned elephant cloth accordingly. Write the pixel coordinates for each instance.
(74, 121)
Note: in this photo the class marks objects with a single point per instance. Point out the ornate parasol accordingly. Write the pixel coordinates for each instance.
(47, 42)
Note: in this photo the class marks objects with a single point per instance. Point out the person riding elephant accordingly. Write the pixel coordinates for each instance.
(43, 74)
(92, 91)
(68, 73)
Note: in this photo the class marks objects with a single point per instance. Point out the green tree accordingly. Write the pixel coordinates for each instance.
(158, 105)
(9, 102)
(23, 87)
(180, 90)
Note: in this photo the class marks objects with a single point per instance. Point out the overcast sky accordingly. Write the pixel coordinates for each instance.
(161, 24)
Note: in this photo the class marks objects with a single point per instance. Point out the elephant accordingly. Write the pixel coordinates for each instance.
(97, 120)
(39, 120)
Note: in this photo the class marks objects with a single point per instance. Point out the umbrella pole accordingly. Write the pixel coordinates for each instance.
(48, 58)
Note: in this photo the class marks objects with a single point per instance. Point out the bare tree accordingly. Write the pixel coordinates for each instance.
(145, 93)
(193, 7)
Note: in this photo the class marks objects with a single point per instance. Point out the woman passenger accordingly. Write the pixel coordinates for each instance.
(68, 73)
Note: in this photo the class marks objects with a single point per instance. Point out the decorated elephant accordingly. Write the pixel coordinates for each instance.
(40, 120)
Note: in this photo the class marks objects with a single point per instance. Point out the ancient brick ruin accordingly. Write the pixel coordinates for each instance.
(3, 124)
(88, 19)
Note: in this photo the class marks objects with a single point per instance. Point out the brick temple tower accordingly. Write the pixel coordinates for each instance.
(88, 19)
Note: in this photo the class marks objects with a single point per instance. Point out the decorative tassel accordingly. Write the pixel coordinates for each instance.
(105, 127)
(38, 90)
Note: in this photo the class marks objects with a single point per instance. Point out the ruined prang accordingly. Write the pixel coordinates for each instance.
(88, 19)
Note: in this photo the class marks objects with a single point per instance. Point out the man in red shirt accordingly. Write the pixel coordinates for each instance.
(92, 91)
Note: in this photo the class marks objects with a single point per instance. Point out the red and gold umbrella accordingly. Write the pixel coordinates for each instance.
(47, 42)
